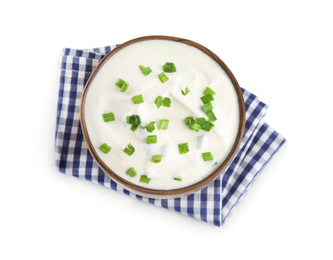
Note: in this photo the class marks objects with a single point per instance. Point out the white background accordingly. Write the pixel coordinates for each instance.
(280, 50)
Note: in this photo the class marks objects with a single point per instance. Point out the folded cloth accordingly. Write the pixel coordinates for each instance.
(212, 204)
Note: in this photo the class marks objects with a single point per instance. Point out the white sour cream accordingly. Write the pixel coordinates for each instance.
(196, 71)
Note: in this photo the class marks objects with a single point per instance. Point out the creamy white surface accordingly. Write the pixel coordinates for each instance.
(196, 71)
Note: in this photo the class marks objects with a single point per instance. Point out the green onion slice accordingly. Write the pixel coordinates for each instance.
(156, 158)
(183, 148)
(163, 124)
(108, 117)
(207, 107)
(150, 127)
(122, 84)
(169, 67)
(143, 178)
(211, 116)
(145, 70)
(137, 99)
(207, 156)
(159, 101)
(163, 78)
(207, 98)
(195, 127)
(151, 139)
(129, 149)
(133, 120)
(177, 179)
(131, 172)
(207, 126)
(105, 148)
(209, 91)
(189, 120)
(167, 102)
(187, 90)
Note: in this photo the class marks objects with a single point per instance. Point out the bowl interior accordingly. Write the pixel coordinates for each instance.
(173, 193)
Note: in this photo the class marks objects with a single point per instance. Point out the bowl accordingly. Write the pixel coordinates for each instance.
(98, 85)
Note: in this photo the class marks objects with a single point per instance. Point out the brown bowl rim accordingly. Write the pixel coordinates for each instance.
(173, 193)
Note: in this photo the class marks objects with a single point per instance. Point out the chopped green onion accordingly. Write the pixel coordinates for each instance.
(150, 127)
(187, 90)
(195, 127)
(207, 126)
(151, 139)
(129, 149)
(201, 121)
(163, 124)
(105, 148)
(209, 91)
(108, 117)
(183, 148)
(207, 98)
(145, 70)
(169, 67)
(156, 158)
(133, 120)
(122, 84)
(159, 101)
(189, 120)
(137, 99)
(177, 179)
(211, 115)
(131, 172)
(207, 107)
(207, 156)
(167, 102)
(163, 78)
(143, 178)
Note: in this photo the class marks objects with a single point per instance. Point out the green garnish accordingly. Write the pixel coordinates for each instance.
(207, 107)
(163, 78)
(105, 148)
(163, 124)
(145, 70)
(129, 149)
(156, 158)
(159, 101)
(209, 91)
(143, 178)
(133, 120)
(167, 102)
(122, 84)
(207, 156)
(207, 126)
(187, 90)
(201, 121)
(211, 115)
(169, 67)
(137, 99)
(150, 127)
(207, 98)
(108, 117)
(177, 179)
(195, 127)
(151, 139)
(183, 148)
(131, 172)
(189, 120)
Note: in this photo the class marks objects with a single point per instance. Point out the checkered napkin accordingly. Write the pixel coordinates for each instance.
(212, 204)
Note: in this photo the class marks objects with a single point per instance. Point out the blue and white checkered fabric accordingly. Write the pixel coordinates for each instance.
(214, 203)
